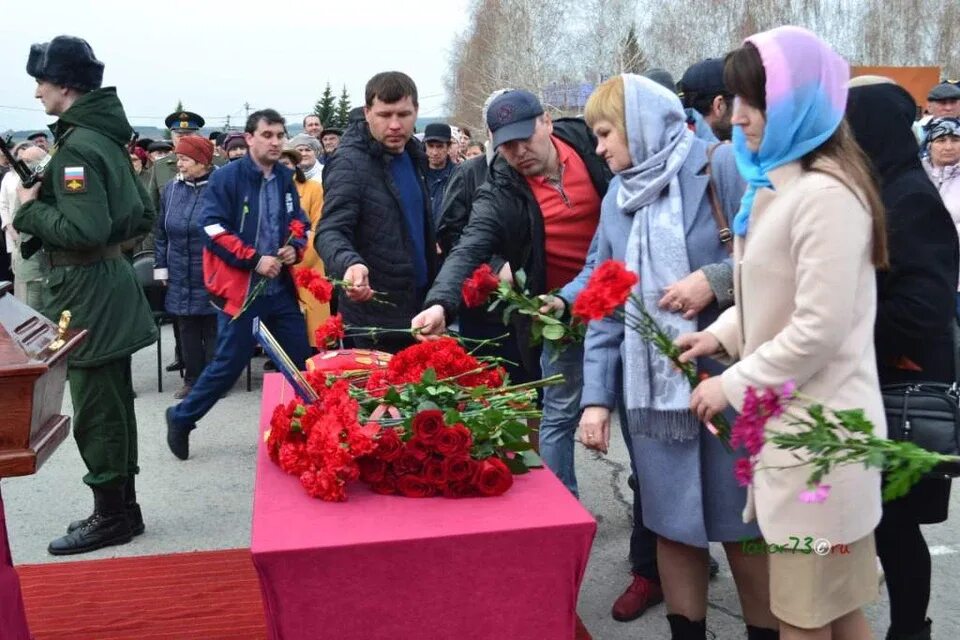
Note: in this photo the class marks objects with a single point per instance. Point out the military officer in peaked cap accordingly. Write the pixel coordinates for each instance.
(180, 123)
(88, 204)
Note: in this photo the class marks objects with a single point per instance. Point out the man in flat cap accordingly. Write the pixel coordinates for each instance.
(330, 140)
(943, 101)
(437, 138)
(159, 149)
(40, 139)
(88, 203)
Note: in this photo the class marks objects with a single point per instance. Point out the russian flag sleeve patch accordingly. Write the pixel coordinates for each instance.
(74, 180)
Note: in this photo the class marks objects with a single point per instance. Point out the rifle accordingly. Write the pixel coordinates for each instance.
(27, 176)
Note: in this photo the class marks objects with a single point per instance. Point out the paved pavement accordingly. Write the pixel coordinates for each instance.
(205, 503)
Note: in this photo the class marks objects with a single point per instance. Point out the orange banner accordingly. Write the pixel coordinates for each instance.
(917, 80)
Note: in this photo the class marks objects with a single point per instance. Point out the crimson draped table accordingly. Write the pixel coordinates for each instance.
(13, 620)
(386, 567)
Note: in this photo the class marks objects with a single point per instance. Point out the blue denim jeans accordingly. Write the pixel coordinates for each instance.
(235, 342)
(561, 411)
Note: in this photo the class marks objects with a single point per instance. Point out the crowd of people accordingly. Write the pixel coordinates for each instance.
(788, 224)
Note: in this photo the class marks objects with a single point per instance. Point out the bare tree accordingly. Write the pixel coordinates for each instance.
(509, 43)
(533, 44)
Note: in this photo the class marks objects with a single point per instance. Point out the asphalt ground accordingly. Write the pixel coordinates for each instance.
(205, 503)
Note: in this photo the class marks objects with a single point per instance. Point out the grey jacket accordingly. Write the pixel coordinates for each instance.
(602, 356)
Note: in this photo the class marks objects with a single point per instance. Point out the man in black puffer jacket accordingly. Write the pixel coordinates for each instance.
(376, 231)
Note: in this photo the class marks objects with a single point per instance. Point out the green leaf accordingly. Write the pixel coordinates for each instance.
(452, 416)
(427, 405)
(536, 331)
(521, 445)
(515, 428)
(392, 397)
(493, 417)
(516, 465)
(553, 331)
(429, 377)
(482, 450)
(520, 277)
(854, 420)
(532, 459)
(875, 459)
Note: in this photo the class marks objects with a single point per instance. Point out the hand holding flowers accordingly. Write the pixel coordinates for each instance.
(545, 311)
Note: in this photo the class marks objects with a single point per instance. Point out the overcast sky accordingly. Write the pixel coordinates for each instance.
(217, 55)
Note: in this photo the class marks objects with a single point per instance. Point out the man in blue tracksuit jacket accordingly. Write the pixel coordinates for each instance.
(247, 210)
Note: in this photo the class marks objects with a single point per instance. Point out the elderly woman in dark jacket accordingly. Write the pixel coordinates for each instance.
(914, 327)
(179, 257)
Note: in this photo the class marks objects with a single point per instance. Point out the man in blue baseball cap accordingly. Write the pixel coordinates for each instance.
(538, 211)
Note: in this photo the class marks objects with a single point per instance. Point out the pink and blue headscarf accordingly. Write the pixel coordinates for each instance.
(806, 91)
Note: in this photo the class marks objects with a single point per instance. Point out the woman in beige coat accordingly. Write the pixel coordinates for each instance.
(809, 237)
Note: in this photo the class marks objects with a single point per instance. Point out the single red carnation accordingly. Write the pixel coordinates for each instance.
(428, 424)
(298, 229)
(292, 458)
(330, 332)
(454, 440)
(413, 486)
(311, 280)
(493, 477)
(324, 485)
(478, 287)
(608, 288)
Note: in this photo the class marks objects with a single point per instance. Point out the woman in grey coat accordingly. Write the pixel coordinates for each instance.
(657, 217)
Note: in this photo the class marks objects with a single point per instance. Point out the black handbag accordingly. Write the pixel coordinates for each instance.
(928, 415)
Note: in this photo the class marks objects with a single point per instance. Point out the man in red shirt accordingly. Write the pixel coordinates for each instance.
(539, 211)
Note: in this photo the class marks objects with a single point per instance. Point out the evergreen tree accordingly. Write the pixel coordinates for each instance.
(343, 110)
(632, 59)
(326, 109)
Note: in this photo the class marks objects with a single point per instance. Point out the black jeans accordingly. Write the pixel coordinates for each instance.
(198, 339)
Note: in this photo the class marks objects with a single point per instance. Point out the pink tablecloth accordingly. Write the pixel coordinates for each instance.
(13, 620)
(407, 569)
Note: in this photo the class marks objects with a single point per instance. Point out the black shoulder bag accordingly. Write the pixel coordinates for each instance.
(928, 415)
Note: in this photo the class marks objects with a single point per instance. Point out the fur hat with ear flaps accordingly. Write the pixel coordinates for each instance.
(67, 61)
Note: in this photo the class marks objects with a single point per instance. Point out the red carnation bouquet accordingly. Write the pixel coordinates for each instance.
(434, 422)
(483, 284)
(606, 294)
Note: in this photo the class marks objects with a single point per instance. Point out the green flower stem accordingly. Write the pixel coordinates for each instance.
(259, 287)
(651, 332)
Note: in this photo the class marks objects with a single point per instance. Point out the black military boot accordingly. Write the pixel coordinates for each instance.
(682, 628)
(762, 633)
(922, 634)
(134, 515)
(132, 509)
(107, 526)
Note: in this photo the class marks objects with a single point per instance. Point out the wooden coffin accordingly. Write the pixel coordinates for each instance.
(32, 378)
